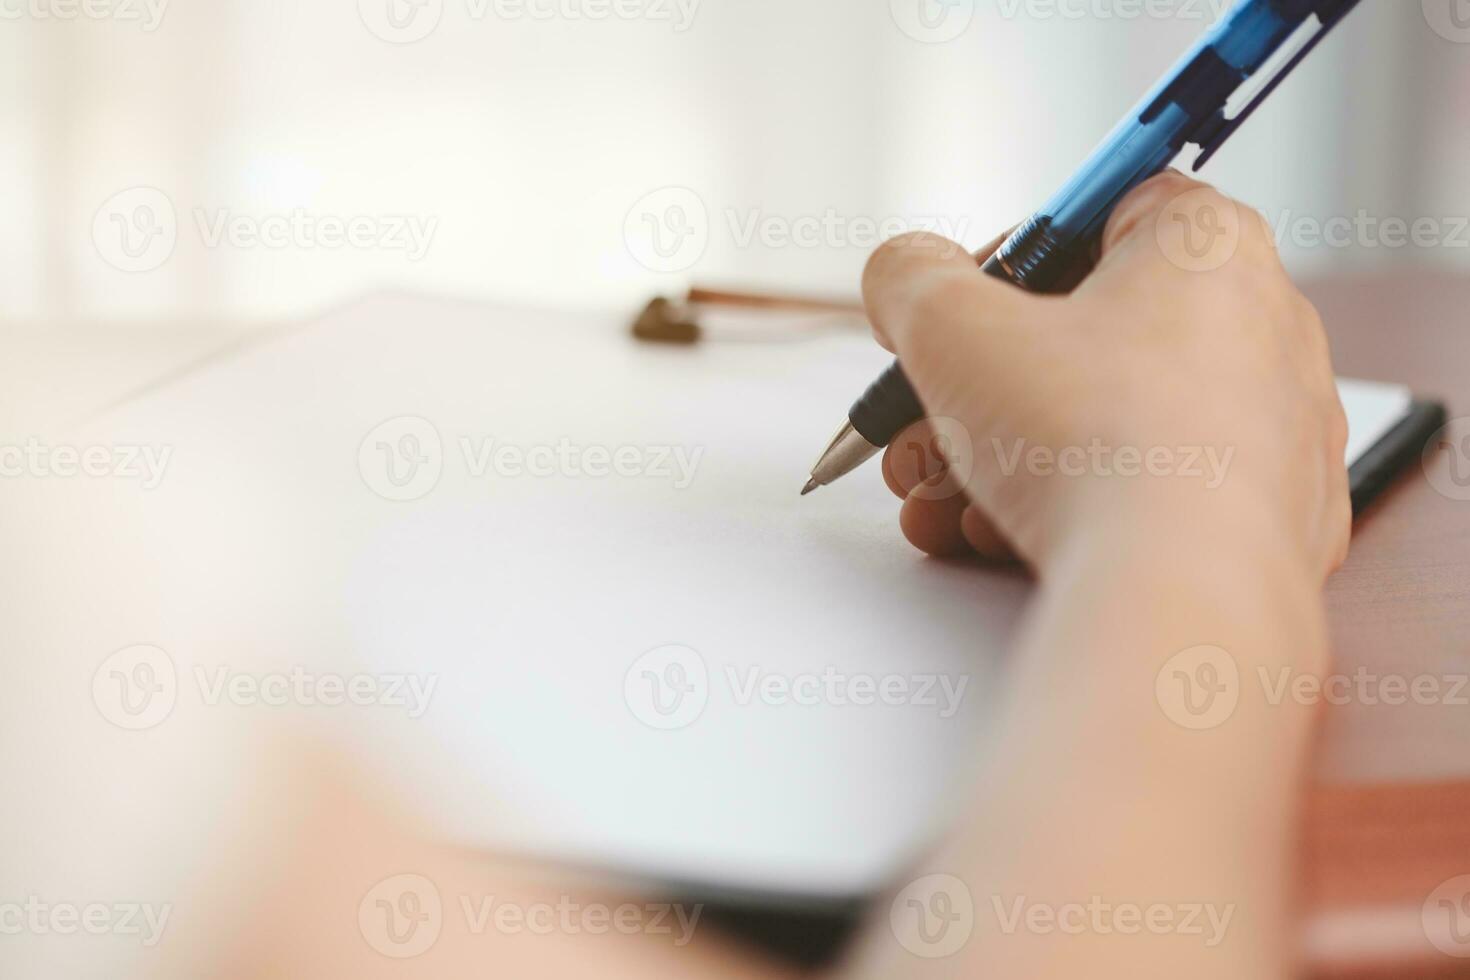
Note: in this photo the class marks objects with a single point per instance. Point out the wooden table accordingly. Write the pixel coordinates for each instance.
(1389, 821)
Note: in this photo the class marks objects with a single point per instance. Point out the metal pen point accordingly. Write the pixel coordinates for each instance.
(847, 451)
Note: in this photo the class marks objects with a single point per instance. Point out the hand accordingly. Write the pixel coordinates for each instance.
(1171, 399)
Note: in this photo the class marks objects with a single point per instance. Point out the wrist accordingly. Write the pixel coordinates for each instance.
(1226, 581)
(1238, 525)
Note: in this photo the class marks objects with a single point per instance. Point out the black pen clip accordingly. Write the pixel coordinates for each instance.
(1219, 129)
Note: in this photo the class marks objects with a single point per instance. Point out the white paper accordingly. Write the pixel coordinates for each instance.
(531, 599)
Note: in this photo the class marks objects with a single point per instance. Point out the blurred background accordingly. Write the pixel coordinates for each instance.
(245, 159)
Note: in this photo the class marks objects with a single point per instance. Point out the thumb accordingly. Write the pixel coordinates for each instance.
(950, 323)
(910, 274)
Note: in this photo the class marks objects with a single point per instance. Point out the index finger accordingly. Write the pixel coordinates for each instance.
(1173, 226)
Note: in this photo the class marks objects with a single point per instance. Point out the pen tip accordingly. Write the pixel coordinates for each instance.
(810, 486)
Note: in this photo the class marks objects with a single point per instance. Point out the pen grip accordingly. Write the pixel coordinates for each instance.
(1034, 259)
(890, 404)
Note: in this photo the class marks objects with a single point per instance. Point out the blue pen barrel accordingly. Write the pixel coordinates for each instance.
(1057, 247)
(1052, 251)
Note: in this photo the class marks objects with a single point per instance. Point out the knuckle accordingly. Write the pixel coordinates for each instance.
(1142, 204)
(1255, 276)
(1338, 427)
(1316, 331)
(1257, 240)
(1307, 315)
(1343, 528)
(1256, 228)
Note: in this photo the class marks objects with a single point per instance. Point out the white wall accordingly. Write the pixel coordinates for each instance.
(528, 141)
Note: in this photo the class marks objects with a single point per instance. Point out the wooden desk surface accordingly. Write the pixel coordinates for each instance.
(1390, 821)
(1402, 603)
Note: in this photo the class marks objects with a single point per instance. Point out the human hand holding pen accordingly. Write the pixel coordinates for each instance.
(1090, 792)
(1228, 366)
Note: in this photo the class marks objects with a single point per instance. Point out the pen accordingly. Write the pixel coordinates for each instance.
(1239, 62)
